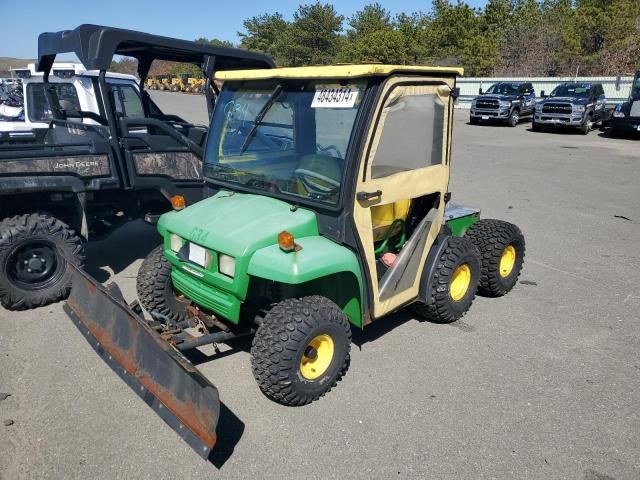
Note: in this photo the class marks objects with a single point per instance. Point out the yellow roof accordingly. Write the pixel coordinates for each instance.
(333, 71)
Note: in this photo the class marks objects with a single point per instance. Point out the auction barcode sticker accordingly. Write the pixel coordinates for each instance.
(334, 97)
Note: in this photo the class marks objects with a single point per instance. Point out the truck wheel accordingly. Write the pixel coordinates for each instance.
(34, 251)
(536, 127)
(501, 245)
(473, 121)
(155, 289)
(454, 281)
(514, 118)
(587, 125)
(301, 350)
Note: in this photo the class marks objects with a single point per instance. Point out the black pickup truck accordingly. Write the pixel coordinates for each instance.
(573, 104)
(81, 181)
(506, 102)
(626, 115)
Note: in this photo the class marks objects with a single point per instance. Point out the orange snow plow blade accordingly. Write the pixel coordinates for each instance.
(159, 374)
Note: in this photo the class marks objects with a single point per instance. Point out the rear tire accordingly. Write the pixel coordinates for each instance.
(453, 283)
(502, 248)
(301, 350)
(155, 289)
(34, 253)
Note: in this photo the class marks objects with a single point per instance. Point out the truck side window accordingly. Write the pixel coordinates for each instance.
(37, 105)
(411, 133)
(127, 101)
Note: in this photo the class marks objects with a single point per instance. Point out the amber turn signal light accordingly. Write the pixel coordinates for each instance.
(286, 242)
(178, 202)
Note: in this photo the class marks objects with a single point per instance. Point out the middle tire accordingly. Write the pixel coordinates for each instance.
(453, 283)
(155, 289)
(301, 350)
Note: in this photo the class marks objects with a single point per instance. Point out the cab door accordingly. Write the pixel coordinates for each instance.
(159, 154)
(403, 173)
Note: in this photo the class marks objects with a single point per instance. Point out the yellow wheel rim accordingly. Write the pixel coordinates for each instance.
(317, 357)
(460, 281)
(507, 261)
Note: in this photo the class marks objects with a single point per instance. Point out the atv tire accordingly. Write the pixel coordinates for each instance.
(155, 289)
(34, 253)
(453, 282)
(502, 247)
(301, 350)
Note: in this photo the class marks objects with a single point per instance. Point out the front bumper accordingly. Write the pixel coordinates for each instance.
(485, 114)
(626, 124)
(218, 301)
(559, 120)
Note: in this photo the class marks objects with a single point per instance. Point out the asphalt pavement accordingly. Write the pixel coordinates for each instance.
(543, 383)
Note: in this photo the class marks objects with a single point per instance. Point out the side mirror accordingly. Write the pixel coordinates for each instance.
(480, 91)
(542, 94)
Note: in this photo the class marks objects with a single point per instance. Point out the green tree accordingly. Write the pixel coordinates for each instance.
(263, 34)
(313, 37)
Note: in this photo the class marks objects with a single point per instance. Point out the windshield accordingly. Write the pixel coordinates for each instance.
(289, 137)
(503, 88)
(572, 90)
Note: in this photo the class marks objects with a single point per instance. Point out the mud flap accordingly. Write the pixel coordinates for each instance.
(158, 373)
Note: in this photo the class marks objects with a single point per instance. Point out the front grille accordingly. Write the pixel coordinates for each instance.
(563, 108)
(488, 104)
(635, 109)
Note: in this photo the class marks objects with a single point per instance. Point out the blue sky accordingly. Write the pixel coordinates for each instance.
(23, 20)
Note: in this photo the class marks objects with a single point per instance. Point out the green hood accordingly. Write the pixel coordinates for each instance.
(238, 224)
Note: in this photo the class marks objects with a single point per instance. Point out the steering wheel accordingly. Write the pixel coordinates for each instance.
(329, 147)
(304, 175)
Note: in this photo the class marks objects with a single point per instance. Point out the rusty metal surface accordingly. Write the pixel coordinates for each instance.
(161, 376)
(178, 165)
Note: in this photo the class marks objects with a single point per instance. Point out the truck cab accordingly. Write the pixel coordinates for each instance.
(626, 115)
(506, 102)
(572, 104)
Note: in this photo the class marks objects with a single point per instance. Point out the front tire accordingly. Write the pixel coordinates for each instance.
(453, 283)
(34, 253)
(301, 350)
(502, 247)
(155, 289)
(514, 119)
(587, 125)
(473, 121)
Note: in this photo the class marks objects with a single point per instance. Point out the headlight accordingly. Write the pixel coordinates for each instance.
(618, 113)
(226, 265)
(505, 103)
(175, 242)
(578, 108)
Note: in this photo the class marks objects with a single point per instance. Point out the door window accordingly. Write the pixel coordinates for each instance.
(410, 133)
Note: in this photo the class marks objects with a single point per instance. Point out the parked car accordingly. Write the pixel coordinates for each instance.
(626, 116)
(572, 104)
(506, 102)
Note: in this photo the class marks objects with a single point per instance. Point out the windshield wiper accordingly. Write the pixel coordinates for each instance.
(260, 116)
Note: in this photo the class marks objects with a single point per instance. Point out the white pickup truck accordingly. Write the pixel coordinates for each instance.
(76, 89)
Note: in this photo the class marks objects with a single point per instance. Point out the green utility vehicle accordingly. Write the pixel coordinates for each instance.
(326, 210)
